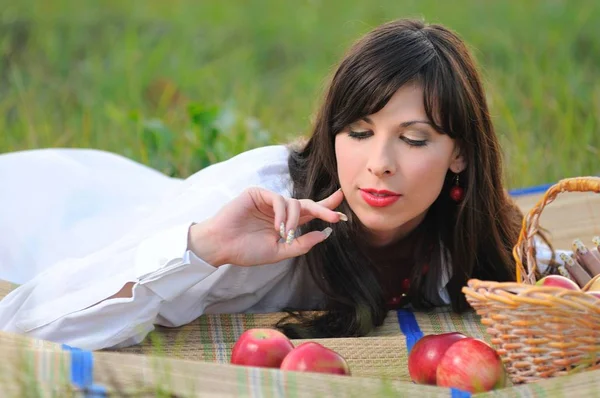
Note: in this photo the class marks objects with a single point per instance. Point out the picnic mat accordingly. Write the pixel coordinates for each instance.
(56, 369)
(192, 360)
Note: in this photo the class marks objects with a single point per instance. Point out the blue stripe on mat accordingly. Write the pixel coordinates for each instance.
(410, 327)
(82, 372)
(456, 393)
(530, 190)
(534, 189)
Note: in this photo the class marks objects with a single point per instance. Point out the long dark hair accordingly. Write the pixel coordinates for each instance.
(475, 237)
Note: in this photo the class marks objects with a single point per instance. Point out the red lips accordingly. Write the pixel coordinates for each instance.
(379, 198)
(382, 192)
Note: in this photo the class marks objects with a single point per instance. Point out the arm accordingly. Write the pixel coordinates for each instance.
(75, 303)
(112, 296)
(206, 250)
(88, 303)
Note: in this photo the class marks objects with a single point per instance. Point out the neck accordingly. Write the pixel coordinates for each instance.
(401, 247)
(380, 239)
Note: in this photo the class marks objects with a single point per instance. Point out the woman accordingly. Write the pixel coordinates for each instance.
(396, 199)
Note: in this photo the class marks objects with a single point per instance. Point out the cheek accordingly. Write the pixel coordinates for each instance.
(346, 162)
(426, 175)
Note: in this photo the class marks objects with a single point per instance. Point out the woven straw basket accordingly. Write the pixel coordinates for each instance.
(540, 332)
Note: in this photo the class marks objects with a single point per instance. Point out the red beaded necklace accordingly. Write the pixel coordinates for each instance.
(401, 298)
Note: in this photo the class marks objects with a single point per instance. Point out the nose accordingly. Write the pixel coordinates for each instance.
(382, 159)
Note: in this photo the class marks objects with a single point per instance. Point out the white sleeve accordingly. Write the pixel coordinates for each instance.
(67, 302)
(59, 305)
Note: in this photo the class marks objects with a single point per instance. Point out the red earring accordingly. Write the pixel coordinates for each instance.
(457, 193)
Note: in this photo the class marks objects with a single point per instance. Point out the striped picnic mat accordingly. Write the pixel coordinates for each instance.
(378, 363)
(192, 361)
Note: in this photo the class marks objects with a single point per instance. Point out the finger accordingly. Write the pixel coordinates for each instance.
(303, 244)
(576, 271)
(279, 209)
(586, 258)
(333, 200)
(329, 203)
(293, 214)
(264, 198)
(310, 210)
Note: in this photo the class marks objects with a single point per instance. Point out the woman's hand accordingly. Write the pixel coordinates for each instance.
(259, 227)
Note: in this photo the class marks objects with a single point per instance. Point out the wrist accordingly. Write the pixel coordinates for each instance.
(202, 242)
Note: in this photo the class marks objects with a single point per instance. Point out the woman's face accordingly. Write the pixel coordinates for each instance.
(392, 165)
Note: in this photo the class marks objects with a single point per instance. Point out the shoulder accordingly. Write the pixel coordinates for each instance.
(262, 155)
(253, 159)
(266, 167)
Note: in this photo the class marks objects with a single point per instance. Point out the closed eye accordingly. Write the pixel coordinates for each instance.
(359, 135)
(414, 142)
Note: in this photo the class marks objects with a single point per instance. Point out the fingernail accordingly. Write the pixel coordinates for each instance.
(327, 231)
(343, 217)
(282, 230)
(596, 240)
(579, 247)
(290, 237)
(339, 189)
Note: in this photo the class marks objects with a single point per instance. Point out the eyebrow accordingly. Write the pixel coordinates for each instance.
(404, 124)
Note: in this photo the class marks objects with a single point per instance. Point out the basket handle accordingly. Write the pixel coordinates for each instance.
(526, 243)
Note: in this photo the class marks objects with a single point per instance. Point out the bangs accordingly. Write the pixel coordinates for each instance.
(366, 97)
(444, 97)
(372, 74)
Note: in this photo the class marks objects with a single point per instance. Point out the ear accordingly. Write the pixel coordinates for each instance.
(458, 162)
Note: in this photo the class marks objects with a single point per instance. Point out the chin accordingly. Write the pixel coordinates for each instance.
(385, 228)
(379, 225)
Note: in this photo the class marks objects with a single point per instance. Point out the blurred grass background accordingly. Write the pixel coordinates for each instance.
(180, 84)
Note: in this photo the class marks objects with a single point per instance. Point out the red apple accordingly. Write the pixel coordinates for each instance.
(313, 357)
(471, 365)
(261, 347)
(558, 281)
(426, 354)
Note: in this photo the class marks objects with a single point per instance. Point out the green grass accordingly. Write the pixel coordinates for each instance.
(180, 84)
